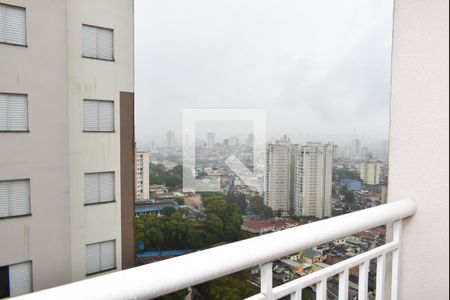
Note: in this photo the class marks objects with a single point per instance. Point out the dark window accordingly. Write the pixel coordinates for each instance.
(4, 282)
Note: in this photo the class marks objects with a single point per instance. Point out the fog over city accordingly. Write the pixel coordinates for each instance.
(320, 68)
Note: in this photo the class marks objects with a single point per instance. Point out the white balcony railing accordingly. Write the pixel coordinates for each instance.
(162, 278)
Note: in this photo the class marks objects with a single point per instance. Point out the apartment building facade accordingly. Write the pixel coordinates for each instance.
(370, 172)
(312, 179)
(66, 141)
(277, 193)
(142, 175)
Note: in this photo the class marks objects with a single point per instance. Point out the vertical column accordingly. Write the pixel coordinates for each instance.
(127, 165)
(381, 277)
(266, 280)
(396, 261)
(343, 284)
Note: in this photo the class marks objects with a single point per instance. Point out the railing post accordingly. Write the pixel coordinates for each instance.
(297, 295)
(343, 284)
(396, 260)
(266, 280)
(381, 277)
(364, 281)
(322, 289)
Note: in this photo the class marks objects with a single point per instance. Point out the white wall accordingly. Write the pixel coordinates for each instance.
(96, 152)
(419, 154)
(39, 70)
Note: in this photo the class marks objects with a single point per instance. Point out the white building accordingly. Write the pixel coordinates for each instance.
(170, 139)
(312, 178)
(67, 141)
(278, 179)
(356, 148)
(142, 175)
(211, 140)
(370, 172)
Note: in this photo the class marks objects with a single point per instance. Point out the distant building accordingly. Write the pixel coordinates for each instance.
(234, 142)
(258, 226)
(142, 175)
(211, 140)
(312, 176)
(251, 140)
(370, 172)
(170, 139)
(278, 177)
(356, 148)
(158, 189)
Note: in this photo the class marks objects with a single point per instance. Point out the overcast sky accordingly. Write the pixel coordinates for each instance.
(321, 68)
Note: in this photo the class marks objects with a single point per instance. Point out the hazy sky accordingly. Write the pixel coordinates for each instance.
(320, 67)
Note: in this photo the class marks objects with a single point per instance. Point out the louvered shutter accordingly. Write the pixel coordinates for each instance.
(2, 23)
(108, 255)
(106, 116)
(15, 25)
(3, 109)
(106, 182)
(19, 192)
(20, 279)
(90, 47)
(91, 188)
(90, 112)
(4, 199)
(93, 259)
(17, 112)
(105, 43)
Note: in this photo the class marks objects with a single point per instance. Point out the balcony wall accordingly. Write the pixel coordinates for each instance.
(419, 143)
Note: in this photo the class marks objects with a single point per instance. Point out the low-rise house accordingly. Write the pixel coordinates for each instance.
(158, 189)
(258, 226)
(312, 256)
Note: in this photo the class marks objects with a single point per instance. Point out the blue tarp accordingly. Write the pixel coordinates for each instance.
(165, 253)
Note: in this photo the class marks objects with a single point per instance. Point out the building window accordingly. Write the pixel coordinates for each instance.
(98, 43)
(13, 112)
(99, 188)
(16, 280)
(98, 116)
(100, 257)
(14, 198)
(13, 25)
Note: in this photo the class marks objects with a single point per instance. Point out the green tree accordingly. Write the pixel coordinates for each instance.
(214, 226)
(198, 238)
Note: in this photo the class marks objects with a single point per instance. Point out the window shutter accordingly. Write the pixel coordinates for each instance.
(105, 43)
(108, 255)
(4, 199)
(2, 23)
(91, 188)
(17, 112)
(90, 41)
(15, 25)
(19, 198)
(90, 115)
(20, 279)
(98, 42)
(3, 108)
(107, 187)
(93, 259)
(105, 116)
